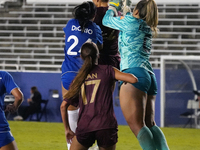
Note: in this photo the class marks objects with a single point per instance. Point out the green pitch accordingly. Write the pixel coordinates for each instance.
(50, 136)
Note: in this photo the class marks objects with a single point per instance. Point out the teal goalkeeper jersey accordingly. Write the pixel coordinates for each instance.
(135, 40)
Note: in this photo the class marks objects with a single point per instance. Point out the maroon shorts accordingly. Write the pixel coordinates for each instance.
(105, 138)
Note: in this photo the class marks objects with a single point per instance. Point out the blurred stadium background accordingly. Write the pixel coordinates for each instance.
(31, 49)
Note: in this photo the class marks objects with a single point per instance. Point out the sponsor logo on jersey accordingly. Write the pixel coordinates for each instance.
(88, 31)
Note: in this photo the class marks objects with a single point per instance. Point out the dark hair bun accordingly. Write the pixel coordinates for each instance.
(84, 11)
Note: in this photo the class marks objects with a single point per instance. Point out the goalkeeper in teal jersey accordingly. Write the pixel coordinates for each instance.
(135, 39)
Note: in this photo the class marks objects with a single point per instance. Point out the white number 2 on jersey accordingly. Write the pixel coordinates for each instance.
(69, 51)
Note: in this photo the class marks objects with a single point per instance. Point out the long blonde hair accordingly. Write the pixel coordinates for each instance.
(89, 53)
(148, 11)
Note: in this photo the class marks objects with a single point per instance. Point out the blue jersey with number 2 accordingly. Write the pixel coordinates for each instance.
(74, 39)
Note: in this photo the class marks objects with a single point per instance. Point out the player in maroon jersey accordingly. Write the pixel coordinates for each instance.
(109, 55)
(92, 90)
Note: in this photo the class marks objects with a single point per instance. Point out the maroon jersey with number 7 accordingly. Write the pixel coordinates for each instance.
(96, 101)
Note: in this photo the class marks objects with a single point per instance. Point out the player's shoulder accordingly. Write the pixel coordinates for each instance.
(101, 10)
(107, 70)
(70, 23)
(128, 19)
(104, 68)
(95, 27)
(73, 21)
(4, 73)
(94, 24)
(5, 76)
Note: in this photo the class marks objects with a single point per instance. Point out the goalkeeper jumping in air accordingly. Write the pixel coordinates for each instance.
(137, 100)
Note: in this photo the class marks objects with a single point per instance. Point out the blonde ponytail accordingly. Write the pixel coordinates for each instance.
(152, 15)
(148, 11)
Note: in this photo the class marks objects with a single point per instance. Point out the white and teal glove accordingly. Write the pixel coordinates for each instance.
(115, 5)
(126, 6)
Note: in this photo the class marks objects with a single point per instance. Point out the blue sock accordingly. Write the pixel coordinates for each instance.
(145, 139)
(159, 138)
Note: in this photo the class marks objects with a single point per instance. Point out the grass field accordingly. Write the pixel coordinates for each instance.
(50, 136)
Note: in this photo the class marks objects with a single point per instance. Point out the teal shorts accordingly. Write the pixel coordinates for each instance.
(146, 80)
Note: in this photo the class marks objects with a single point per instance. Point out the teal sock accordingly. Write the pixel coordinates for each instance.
(159, 138)
(145, 139)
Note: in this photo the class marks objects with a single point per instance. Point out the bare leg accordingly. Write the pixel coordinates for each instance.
(158, 136)
(76, 145)
(72, 115)
(150, 111)
(133, 104)
(64, 91)
(10, 146)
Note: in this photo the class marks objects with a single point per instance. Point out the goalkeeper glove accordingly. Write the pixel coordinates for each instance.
(126, 6)
(116, 3)
(126, 3)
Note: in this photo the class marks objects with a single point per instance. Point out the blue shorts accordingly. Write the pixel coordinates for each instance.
(6, 138)
(146, 80)
(67, 79)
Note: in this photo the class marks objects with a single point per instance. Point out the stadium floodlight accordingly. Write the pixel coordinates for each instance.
(179, 75)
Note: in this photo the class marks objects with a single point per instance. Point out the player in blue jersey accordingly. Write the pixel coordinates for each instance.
(7, 85)
(78, 31)
(92, 90)
(135, 38)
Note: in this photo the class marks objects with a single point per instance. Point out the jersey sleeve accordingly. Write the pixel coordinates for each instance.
(113, 22)
(99, 35)
(111, 72)
(65, 28)
(9, 82)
